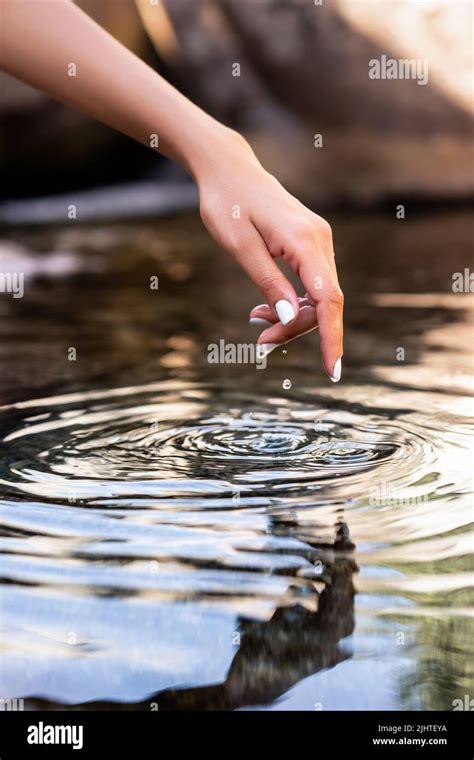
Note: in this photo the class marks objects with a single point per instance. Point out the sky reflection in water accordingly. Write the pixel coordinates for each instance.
(200, 536)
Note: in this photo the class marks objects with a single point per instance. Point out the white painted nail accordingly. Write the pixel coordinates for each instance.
(260, 321)
(263, 349)
(336, 373)
(285, 311)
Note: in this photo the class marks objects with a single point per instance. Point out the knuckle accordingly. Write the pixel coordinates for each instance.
(334, 295)
(308, 231)
(267, 282)
(304, 229)
(323, 229)
(234, 243)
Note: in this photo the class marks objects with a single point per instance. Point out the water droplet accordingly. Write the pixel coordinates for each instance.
(287, 384)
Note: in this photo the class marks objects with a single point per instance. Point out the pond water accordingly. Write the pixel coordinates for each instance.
(179, 534)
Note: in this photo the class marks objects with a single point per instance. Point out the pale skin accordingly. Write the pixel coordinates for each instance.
(39, 41)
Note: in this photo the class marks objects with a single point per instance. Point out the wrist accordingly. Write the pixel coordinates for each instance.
(213, 147)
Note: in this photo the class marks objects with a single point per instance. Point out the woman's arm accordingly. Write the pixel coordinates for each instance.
(54, 46)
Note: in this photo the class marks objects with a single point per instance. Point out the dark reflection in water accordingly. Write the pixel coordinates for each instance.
(273, 656)
(203, 536)
(294, 644)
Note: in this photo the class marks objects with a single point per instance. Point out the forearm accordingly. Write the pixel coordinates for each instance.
(54, 46)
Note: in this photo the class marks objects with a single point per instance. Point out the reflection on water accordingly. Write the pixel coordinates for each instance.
(194, 537)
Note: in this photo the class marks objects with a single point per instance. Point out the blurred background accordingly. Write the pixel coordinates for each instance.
(303, 71)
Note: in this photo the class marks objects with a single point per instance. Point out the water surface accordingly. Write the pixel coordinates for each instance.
(183, 535)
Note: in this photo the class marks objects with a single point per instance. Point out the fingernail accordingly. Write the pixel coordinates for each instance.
(263, 349)
(285, 311)
(336, 373)
(260, 321)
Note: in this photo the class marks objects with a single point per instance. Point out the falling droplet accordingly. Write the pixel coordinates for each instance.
(287, 384)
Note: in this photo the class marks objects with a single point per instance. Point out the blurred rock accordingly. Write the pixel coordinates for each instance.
(45, 145)
(304, 71)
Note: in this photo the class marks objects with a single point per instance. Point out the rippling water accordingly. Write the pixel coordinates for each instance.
(229, 542)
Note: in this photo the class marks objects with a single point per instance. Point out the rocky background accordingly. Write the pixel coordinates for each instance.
(303, 71)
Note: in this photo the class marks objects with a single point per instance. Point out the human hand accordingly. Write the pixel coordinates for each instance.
(246, 210)
(256, 220)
